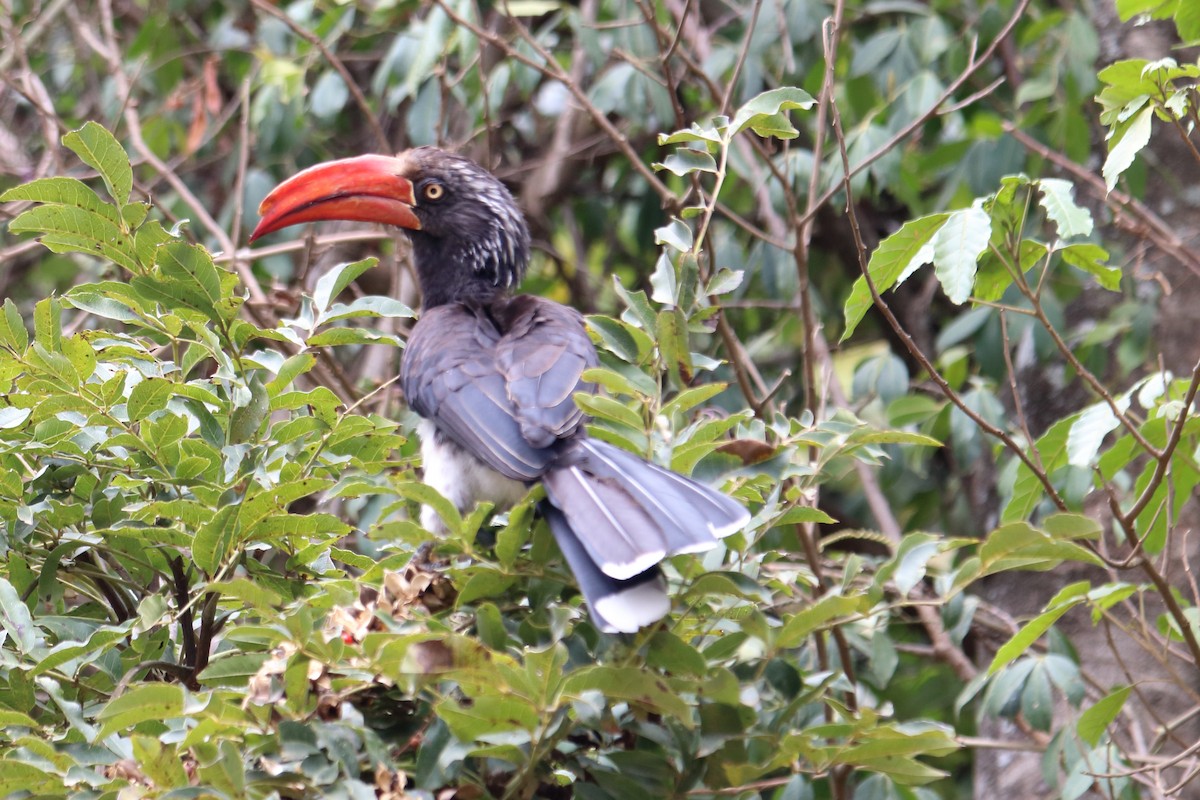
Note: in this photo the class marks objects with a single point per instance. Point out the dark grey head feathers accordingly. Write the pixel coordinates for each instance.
(469, 224)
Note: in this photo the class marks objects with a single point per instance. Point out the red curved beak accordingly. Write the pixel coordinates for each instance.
(362, 189)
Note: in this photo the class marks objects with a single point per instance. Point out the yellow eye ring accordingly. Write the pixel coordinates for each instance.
(434, 191)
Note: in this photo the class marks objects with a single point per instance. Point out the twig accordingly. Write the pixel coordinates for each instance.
(239, 184)
(1064, 349)
(911, 346)
(109, 51)
(549, 67)
(30, 35)
(973, 66)
(359, 98)
(1153, 227)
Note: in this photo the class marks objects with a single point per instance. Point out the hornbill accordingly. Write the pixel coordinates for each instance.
(493, 376)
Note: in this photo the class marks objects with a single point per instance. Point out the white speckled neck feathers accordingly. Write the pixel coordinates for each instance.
(473, 243)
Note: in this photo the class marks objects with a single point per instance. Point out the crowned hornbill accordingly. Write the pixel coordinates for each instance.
(493, 375)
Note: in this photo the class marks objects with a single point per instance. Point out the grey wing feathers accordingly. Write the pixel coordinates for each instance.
(502, 394)
(543, 371)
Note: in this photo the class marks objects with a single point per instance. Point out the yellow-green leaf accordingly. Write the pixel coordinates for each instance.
(101, 151)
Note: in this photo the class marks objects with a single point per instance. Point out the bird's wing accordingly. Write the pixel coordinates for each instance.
(542, 355)
(498, 380)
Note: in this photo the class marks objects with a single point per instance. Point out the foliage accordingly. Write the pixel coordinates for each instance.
(214, 583)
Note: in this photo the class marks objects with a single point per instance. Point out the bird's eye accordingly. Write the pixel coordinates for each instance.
(434, 191)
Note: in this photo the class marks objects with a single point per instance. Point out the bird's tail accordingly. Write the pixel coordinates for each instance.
(615, 516)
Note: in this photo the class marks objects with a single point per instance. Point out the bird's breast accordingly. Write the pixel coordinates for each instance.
(461, 478)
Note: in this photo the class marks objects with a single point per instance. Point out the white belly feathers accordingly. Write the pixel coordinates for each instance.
(461, 478)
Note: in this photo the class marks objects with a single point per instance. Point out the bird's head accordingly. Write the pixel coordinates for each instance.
(467, 232)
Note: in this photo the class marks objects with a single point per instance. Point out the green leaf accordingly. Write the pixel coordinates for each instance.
(13, 333)
(17, 777)
(67, 229)
(489, 626)
(476, 717)
(303, 526)
(10, 718)
(1125, 143)
(956, 249)
(799, 514)
(147, 241)
(724, 282)
(335, 281)
(1059, 203)
(159, 762)
(865, 436)
(1022, 640)
(134, 214)
(1089, 429)
(907, 568)
(47, 324)
(1028, 490)
(100, 150)
(676, 234)
(17, 621)
(889, 262)
(434, 36)
(252, 593)
(624, 340)
(192, 266)
(321, 400)
(890, 741)
(639, 311)
(1093, 259)
(515, 534)
(1187, 21)
(232, 670)
(291, 369)
(689, 398)
(673, 345)
(633, 684)
(1020, 546)
(707, 135)
(427, 495)
(668, 652)
(685, 161)
(214, 540)
(96, 645)
(1072, 526)
(147, 397)
(365, 307)
(63, 191)
(13, 417)
(328, 95)
(884, 658)
(688, 269)
(614, 382)
(90, 298)
(817, 616)
(1157, 9)
(1094, 721)
(333, 337)
(246, 420)
(664, 283)
(762, 113)
(150, 701)
(485, 583)
(607, 408)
